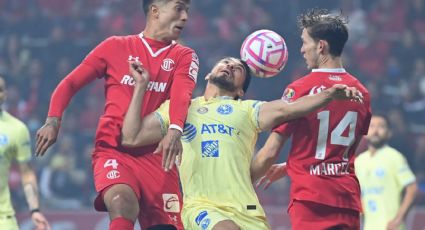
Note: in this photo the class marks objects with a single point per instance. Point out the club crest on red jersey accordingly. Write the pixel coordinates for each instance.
(167, 64)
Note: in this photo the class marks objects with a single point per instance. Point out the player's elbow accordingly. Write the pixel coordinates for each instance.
(128, 141)
(412, 189)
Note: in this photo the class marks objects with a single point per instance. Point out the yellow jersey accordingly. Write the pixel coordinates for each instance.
(382, 178)
(14, 144)
(218, 144)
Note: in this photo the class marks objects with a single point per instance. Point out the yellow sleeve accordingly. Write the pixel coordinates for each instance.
(402, 171)
(254, 109)
(23, 144)
(163, 116)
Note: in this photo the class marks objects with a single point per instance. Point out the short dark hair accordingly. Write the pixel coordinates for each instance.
(321, 25)
(148, 3)
(383, 116)
(247, 76)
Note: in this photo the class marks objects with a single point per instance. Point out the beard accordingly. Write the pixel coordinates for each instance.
(222, 83)
(377, 142)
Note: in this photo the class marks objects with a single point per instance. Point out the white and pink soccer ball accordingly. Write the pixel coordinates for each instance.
(265, 53)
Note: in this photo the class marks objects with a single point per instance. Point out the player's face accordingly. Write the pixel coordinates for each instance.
(310, 50)
(379, 132)
(172, 17)
(2, 91)
(228, 74)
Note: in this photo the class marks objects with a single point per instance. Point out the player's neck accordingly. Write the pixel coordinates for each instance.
(155, 34)
(329, 62)
(374, 148)
(212, 91)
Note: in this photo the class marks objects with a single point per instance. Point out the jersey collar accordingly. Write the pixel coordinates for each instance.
(326, 70)
(158, 52)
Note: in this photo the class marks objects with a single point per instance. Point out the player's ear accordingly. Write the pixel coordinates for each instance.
(390, 134)
(323, 45)
(154, 10)
(240, 93)
(207, 77)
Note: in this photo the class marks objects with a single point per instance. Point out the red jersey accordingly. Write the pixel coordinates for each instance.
(173, 71)
(321, 160)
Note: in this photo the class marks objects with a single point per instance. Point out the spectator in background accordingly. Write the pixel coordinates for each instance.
(62, 181)
(15, 145)
(384, 173)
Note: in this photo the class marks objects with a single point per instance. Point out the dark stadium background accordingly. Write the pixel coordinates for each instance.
(42, 40)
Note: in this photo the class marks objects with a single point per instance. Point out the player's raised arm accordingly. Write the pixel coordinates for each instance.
(138, 131)
(181, 94)
(278, 111)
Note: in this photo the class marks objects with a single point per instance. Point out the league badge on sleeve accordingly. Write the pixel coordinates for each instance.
(288, 94)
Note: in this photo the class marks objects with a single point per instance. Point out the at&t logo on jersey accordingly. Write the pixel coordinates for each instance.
(217, 128)
(171, 202)
(167, 64)
(210, 148)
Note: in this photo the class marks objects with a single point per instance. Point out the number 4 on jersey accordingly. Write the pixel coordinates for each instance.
(111, 162)
(349, 119)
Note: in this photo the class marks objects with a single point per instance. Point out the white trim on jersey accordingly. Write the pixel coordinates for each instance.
(158, 52)
(174, 126)
(326, 70)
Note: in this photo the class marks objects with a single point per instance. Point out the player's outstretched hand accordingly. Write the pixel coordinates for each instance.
(46, 135)
(275, 172)
(394, 224)
(343, 92)
(171, 148)
(139, 73)
(40, 221)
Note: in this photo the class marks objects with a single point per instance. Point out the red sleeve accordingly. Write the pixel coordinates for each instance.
(181, 91)
(92, 67)
(79, 77)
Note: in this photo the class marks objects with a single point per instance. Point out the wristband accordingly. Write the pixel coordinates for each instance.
(35, 210)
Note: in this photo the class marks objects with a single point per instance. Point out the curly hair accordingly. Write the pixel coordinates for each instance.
(321, 25)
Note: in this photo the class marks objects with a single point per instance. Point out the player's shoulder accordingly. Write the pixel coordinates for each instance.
(392, 153)
(362, 157)
(120, 39)
(249, 103)
(182, 50)
(15, 122)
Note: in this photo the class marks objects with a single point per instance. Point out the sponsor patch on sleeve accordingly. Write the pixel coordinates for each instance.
(194, 67)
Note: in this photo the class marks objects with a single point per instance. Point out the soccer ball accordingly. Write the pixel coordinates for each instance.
(265, 53)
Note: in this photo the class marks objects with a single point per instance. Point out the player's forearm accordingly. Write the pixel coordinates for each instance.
(409, 197)
(181, 95)
(266, 156)
(132, 126)
(29, 183)
(306, 105)
(261, 164)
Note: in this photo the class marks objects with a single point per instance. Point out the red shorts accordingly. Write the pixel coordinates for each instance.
(311, 215)
(158, 191)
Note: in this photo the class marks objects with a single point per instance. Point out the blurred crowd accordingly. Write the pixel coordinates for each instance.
(41, 41)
